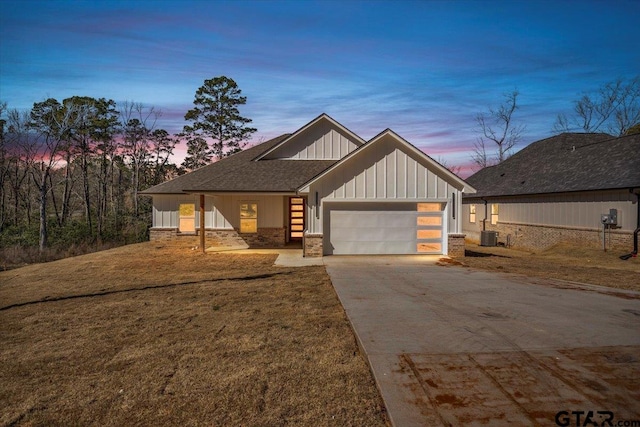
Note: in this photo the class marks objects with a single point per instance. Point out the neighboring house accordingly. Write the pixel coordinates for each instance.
(556, 190)
(324, 187)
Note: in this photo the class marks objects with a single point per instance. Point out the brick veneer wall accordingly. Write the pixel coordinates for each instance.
(265, 237)
(162, 234)
(223, 238)
(455, 245)
(541, 237)
(313, 245)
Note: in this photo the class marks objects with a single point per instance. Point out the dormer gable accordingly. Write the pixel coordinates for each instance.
(321, 139)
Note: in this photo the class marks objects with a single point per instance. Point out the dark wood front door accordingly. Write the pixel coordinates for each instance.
(296, 218)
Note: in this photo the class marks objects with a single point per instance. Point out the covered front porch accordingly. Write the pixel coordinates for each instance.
(231, 220)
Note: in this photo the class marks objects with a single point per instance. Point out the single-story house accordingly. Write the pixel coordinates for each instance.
(322, 187)
(557, 190)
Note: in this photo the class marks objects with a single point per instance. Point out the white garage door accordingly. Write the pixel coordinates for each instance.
(400, 228)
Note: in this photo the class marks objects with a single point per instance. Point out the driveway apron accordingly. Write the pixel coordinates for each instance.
(452, 346)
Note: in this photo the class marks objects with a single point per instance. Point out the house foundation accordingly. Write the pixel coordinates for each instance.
(313, 245)
(455, 245)
(541, 237)
(162, 234)
(263, 238)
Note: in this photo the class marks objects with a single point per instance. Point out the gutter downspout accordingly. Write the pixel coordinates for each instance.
(484, 221)
(638, 203)
(635, 233)
(637, 230)
(202, 232)
(634, 253)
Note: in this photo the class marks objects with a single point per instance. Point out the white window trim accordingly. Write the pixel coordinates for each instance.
(248, 202)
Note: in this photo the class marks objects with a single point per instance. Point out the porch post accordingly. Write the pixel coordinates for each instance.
(202, 222)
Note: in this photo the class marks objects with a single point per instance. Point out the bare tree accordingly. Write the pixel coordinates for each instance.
(456, 169)
(497, 128)
(15, 139)
(4, 165)
(52, 122)
(614, 108)
(480, 156)
(162, 146)
(138, 123)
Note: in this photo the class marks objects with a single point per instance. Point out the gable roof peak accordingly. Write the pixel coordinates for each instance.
(403, 143)
(322, 117)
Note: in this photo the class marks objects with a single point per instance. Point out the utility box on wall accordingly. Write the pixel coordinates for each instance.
(610, 219)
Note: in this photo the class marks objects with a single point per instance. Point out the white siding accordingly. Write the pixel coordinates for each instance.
(220, 211)
(323, 141)
(568, 209)
(572, 210)
(386, 172)
(165, 209)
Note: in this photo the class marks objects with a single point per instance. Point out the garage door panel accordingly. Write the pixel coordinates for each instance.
(385, 228)
(430, 248)
(372, 234)
(366, 219)
(373, 248)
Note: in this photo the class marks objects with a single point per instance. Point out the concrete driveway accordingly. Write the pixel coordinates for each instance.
(453, 346)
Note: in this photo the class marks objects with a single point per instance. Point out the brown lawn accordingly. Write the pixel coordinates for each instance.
(153, 334)
(562, 262)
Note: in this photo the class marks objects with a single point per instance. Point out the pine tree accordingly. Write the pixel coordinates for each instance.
(216, 117)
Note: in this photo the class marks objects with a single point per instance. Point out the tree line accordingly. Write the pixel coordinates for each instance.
(77, 165)
(70, 170)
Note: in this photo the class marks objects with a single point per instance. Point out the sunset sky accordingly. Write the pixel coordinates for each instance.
(422, 68)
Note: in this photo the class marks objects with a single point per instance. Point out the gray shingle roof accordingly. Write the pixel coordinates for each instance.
(564, 163)
(239, 173)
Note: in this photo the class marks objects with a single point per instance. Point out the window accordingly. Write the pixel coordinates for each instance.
(429, 227)
(429, 207)
(187, 218)
(248, 217)
(472, 213)
(430, 220)
(494, 213)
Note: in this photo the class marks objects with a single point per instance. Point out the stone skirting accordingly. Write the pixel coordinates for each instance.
(455, 245)
(264, 238)
(541, 237)
(313, 245)
(162, 234)
(226, 238)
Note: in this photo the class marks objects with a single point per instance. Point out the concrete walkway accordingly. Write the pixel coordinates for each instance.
(453, 346)
(287, 257)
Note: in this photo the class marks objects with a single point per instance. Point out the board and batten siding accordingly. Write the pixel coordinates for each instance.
(165, 209)
(384, 174)
(320, 142)
(563, 209)
(221, 212)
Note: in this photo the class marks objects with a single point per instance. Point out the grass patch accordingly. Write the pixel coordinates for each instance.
(564, 262)
(153, 334)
